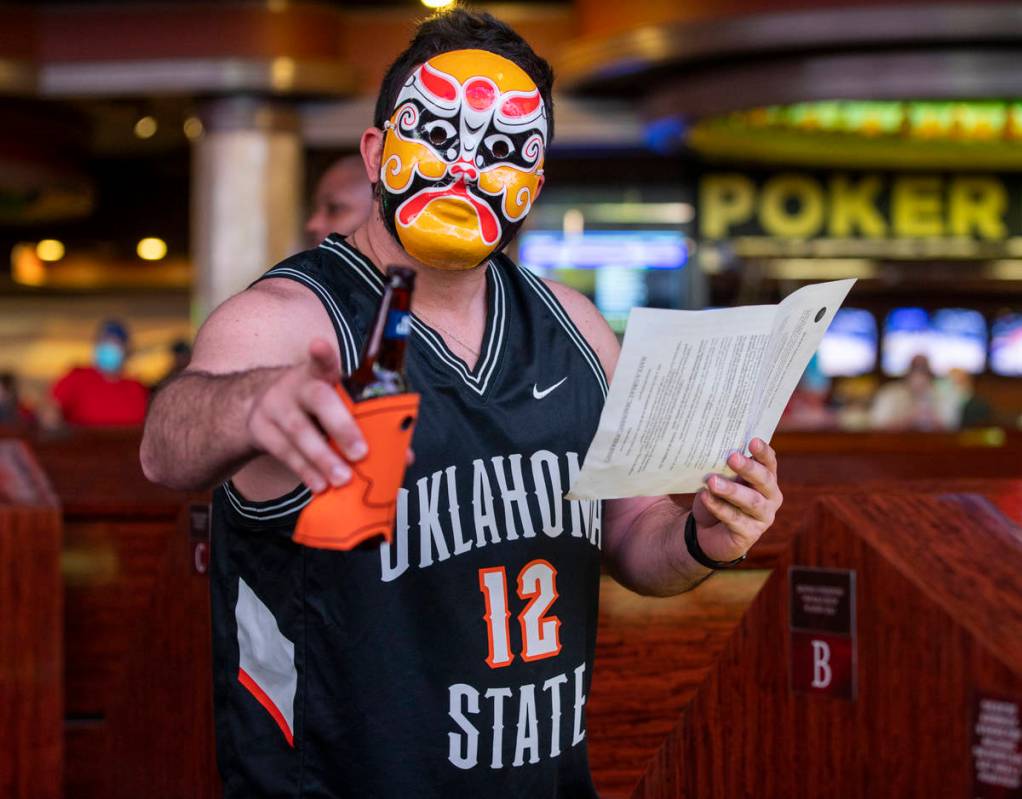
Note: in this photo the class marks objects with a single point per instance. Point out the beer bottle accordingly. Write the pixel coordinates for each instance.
(381, 370)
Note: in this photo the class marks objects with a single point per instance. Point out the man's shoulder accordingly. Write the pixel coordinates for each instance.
(268, 324)
(577, 304)
(589, 321)
(79, 374)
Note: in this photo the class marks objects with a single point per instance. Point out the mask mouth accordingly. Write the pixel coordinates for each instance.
(456, 191)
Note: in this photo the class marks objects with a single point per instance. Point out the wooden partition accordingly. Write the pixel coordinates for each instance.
(31, 607)
(812, 464)
(138, 719)
(882, 658)
(137, 675)
(653, 654)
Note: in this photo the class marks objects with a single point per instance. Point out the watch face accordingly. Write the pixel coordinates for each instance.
(462, 158)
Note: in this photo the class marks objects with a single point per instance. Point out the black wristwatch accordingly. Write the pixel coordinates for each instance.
(696, 551)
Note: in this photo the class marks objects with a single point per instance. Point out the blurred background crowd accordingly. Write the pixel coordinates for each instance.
(155, 158)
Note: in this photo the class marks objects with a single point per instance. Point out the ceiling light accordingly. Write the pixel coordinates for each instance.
(49, 250)
(145, 128)
(193, 128)
(151, 249)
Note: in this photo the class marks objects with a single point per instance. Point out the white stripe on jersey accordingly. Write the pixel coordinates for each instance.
(349, 352)
(285, 507)
(480, 379)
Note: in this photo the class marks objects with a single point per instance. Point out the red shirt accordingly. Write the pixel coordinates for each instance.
(89, 398)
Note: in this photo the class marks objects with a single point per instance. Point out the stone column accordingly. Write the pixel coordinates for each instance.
(247, 178)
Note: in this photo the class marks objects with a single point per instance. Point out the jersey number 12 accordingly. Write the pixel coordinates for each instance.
(537, 582)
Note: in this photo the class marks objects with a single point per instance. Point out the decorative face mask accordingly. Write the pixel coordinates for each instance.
(463, 157)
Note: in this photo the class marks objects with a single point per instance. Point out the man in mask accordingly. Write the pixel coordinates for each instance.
(456, 660)
(100, 395)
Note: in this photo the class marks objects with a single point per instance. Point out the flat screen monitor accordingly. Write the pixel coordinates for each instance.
(541, 250)
(1006, 345)
(958, 341)
(907, 333)
(849, 348)
(618, 269)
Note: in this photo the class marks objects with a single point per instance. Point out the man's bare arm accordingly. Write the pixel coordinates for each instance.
(196, 432)
(260, 383)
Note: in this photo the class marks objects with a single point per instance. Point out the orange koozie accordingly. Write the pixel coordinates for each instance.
(342, 518)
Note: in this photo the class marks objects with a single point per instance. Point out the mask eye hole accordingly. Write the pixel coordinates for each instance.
(438, 132)
(499, 145)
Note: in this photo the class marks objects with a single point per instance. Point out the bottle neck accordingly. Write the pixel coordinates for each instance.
(391, 354)
(385, 346)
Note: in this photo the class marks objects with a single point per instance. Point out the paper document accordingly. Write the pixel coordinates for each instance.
(691, 387)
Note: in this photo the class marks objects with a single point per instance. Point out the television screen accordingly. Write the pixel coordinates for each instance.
(958, 341)
(849, 348)
(907, 333)
(1006, 345)
(541, 250)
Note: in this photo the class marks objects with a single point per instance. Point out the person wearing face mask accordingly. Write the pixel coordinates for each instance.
(455, 659)
(101, 395)
(342, 201)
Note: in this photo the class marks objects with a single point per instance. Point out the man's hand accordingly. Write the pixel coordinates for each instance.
(289, 418)
(731, 515)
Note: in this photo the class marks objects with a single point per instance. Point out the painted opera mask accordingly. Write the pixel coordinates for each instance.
(462, 158)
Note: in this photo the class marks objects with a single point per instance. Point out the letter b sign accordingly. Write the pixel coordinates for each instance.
(821, 664)
(822, 672)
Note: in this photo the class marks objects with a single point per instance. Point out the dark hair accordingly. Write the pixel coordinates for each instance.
(113, 328)
(460, 29)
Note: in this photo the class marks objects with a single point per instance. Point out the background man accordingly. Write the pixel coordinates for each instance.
(342, 200)
(395, 669)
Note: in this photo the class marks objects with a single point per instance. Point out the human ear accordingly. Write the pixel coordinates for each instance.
(371, 147)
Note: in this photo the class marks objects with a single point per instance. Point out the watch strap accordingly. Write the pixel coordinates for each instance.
(696, 551)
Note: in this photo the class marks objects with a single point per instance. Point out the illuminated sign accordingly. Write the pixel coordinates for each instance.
(632, 249)
(872, 206)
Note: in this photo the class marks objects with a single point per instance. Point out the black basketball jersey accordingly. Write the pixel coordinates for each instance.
(455, 661)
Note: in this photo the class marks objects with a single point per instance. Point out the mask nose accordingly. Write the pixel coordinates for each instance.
(464, 170)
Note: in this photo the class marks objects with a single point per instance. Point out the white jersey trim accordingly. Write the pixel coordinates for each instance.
(290, 503)
(479, 379)
(349, 351)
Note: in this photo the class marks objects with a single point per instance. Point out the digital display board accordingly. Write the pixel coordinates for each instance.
(540, 250)
(849, 348)
(1006, 345)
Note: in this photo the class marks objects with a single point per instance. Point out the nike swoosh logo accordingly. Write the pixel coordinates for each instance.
(540, 394)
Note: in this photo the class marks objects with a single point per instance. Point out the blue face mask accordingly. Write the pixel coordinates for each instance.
(108, 357)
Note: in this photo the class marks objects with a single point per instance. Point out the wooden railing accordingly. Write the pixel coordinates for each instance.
(119, 606)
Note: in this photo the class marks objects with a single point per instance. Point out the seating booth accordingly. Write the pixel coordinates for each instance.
(105, 664)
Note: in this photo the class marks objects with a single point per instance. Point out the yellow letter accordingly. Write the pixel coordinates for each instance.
(916, 207)
(724, 200)
(977, 204)
(784, 222)
(853, 207)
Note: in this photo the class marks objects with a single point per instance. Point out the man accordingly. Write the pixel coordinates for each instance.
(100, 395)
(342, 200)
(396, 669)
